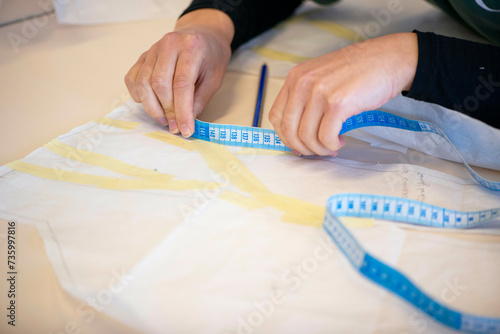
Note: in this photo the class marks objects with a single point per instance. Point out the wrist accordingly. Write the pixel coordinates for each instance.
(409, 48)
(208, 19)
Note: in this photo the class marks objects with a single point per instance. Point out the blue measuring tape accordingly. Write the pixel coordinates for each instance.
(408, 211)
(378, 207)
(234, 135)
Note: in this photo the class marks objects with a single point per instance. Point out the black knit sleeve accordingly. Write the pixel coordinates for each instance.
(250, 17)
(460, 75)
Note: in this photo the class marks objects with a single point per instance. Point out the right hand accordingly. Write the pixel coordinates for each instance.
(176, 78)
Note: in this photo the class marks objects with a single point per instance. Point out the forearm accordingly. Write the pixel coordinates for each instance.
(250, 17)
(459, 75)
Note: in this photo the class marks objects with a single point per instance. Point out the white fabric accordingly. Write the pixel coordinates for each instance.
(140, 257)
(478, 142)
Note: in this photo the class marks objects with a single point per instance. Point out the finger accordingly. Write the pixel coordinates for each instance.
(131, 77)
(292, 115)
(276, 114)
(204, 91)
(161, 82)
(329, 130)
(183, 84)
(148, 97)
(310, 124)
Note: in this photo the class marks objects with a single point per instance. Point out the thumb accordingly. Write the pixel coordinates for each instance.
(330, 127)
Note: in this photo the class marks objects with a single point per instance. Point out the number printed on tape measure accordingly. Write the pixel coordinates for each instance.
(267, 139)
(408, 211)
(378, 207)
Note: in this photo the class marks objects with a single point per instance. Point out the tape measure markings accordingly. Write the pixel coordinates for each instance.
(234, 135)
(408, 211)
(378, 207)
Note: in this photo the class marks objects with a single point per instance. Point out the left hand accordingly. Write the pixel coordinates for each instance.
(319, 95)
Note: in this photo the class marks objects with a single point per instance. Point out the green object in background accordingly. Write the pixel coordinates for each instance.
(481, 15)
(325, 2)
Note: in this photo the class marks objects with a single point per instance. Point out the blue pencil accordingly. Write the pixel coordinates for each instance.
(256, 117)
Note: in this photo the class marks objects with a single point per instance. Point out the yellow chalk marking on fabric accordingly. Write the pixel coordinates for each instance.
(222, 161)
(336, 29)
(104, 161)
(307, 214)
(219, 159)
(295, 210)
(105, 182)
(279, 55)
(125, 125)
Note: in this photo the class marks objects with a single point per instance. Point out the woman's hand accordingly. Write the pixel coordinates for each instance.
(320, 94)
(176, 78)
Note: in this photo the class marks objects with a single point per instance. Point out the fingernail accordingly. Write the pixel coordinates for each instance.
(296, 153)
(185, 131)
(162, 121)
(172, 126)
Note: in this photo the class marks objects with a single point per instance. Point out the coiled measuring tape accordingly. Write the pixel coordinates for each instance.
(378, 207)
